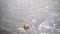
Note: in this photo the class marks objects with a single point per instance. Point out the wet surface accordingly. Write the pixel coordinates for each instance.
(43, 15)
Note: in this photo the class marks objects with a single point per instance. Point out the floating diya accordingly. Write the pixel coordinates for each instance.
(26, 26)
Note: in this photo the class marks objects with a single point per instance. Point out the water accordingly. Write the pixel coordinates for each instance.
(44, 15)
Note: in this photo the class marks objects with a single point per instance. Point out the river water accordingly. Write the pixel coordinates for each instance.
(42, 15)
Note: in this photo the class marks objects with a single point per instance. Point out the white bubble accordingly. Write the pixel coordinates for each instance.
(53, 14)
(34, 20)
(20, 29)
(54, 24)
(43, 33)
(39, 28)
(46, 7)
(45, 24)
(39, 10)
(52, 20)
(31, 11)
(31, 8)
